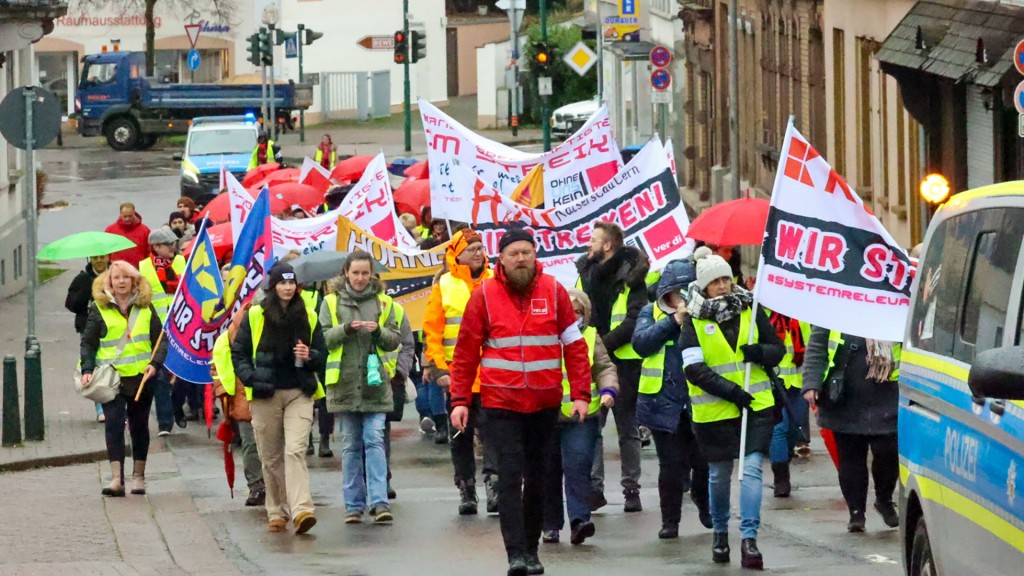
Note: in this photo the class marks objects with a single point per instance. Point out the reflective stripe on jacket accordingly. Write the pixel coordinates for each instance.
(619, 310)
(590, 336)
(787, 369)
(727, 363)
(138, 348)
(161, 299)
(652, 370)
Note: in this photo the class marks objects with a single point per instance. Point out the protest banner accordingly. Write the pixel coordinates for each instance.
(642, 199)
(196, 314)
(581, 164)
(371, 206)
(826, 259)
(410, 272)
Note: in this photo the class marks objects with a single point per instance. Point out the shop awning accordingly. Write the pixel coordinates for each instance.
(962, 40)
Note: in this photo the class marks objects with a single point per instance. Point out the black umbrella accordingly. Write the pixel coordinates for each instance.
(323, 265)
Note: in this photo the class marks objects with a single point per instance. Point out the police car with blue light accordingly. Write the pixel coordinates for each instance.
(961, 414)
(215, 141)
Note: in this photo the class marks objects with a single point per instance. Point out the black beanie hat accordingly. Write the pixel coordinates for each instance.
(515, 235)
(281, 271)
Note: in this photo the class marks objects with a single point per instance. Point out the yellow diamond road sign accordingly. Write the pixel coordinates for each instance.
(580, 58)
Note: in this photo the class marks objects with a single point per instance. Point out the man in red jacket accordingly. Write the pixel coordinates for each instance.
(516, 329)
(131, 227)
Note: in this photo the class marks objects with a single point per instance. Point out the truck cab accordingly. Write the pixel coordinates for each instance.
(110, 85)
(212, 142)
(961, 410)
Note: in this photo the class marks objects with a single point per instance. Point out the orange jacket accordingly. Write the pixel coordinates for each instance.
(433, 320)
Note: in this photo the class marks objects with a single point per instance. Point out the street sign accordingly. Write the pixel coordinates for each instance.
(291, 46)
(507, 5)
(661, 79)
(580, 58)
(193, 60)
(377, 42)
(193, 30)
(1018, 98)
(1020, 125)
(661, 97)
(661, 57)
(1018, 57)
(544, 86)
(311, 78)
(45, 118)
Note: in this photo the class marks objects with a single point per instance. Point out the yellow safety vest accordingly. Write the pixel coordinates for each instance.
(137, 349)
(590, 336)
(787, 368)
(320, 156)
(256, 327)
(390, 359)
(310, 297)
(333, 374)
(161, 299)
(255, 160)
(835, 340)
(652, 370)
(624, 352)
(727, 363)
(222, 362)
(455, 295)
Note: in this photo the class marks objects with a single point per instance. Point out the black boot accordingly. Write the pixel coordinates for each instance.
(533, 565)
(720, 548)
(517, 567)
(751, 556)
(857, 521)
(491, 489)
(467, 497)
(440, 429)
(669, 530)
(325, 446)
(309, 447)
(782, 485)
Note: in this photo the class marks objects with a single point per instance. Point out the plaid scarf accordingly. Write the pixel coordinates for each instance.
(720, 309)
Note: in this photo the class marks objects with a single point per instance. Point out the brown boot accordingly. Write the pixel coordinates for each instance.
(139, 477)
(116, 486)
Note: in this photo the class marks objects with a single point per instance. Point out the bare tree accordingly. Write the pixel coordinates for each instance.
(219, 10)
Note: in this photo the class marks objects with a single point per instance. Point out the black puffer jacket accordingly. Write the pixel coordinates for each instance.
(80, 296)
(721, 440)
(604, 281)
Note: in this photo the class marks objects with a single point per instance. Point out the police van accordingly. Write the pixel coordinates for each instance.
(215, 141)
(961, 415)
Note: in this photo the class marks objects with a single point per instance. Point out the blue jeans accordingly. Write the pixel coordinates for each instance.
(362, 438)
(750, 495)
(430, 400)
(162, 399)
(782, 439)
(571, 456)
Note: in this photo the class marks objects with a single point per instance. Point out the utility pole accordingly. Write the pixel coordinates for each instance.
(514, 18)
(407, 87)
(300, 39)
(30, 211)
(273, 105)
(545, 121)
(734, 89)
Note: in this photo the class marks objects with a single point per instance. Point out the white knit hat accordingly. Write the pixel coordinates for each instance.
(710, 267)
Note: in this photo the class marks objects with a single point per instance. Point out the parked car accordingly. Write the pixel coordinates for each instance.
(569, 118)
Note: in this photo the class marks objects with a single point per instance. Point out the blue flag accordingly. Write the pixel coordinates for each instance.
(253, 255)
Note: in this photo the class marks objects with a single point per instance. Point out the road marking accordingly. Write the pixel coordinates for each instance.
(879, 559)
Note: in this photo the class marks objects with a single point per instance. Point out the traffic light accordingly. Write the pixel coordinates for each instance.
(266, 48)
(280, 36)
(254, 50)
(310, 36)
(541, 58)
(401, 47)
(419, 45)
(935, 189)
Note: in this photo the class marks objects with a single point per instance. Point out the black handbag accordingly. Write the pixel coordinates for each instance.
(835, 381)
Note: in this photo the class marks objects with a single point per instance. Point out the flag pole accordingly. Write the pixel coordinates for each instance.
(753, 316)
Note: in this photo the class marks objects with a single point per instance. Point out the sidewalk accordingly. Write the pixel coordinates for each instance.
(72, 433)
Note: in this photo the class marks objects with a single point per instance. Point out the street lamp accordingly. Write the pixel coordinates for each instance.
(935, 189)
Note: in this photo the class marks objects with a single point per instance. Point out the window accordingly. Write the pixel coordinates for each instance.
(933, 318)
(222, 141)
(987, 293)
(100, 73)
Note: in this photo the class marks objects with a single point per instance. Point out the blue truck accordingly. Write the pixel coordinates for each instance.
(117, 101)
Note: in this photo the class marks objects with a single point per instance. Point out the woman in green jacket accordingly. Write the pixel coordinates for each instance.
(360, 328)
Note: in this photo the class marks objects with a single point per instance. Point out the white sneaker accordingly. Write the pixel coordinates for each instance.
(163, 433)
(427, 425)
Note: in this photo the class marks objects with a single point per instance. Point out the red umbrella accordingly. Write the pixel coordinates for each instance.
(412, 195)
(259, 173)
(219, 209)
(294, 193)
(208, 408)
(220, 237)
(733, 223)
(418, 170)
(283, 175)
(226, 434)
(351, 168)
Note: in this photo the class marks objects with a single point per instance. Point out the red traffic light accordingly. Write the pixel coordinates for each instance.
(399, 37)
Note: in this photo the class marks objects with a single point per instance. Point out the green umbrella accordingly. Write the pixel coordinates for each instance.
(84, 245)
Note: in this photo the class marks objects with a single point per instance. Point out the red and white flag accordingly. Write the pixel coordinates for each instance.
(826, 259)
(315, 175)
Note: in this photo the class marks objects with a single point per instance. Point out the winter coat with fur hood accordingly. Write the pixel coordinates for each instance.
(96, 327)
(604, 281)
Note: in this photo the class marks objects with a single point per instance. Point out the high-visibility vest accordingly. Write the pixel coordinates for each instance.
(835, 340)
(333, 374)
(221, 361)
(256, 328)
(255, 160)
(787, 368)
(590, 336)
(137, 349)
(727, 363)
(390, 359)
(652, 370)
(455, 295)
(320, 157)
(624, 352)
(161, 299)
(310, 297)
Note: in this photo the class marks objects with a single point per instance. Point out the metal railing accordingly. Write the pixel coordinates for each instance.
(359, 95)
